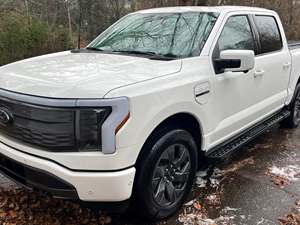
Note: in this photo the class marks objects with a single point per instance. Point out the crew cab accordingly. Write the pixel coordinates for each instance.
(136, 112)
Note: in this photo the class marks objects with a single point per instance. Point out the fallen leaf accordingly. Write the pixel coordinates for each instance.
(12, 213)
(280, 181)
(290, 219)
(197, 205)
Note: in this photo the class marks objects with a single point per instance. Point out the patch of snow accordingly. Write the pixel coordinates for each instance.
(291, 172)
(224, 219)
(190, 203)
(214, 183)
(264, 221)
(214, 180)
(199, 219)
(195, 219)
(217, 173)
(202, 173)
(201, 182)
(212, 197)
(228, 209)
(243, 217)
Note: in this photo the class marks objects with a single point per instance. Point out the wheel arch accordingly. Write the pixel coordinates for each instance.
(184, 120)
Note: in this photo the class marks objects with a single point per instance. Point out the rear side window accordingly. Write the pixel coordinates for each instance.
(269, 34)
(236, 34)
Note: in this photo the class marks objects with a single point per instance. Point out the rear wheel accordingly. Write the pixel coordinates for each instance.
(294, 119)
(165, 174)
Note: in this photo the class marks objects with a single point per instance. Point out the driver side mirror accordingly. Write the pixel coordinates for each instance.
(235, 61)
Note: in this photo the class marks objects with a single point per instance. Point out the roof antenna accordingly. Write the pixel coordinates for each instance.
(79, 25)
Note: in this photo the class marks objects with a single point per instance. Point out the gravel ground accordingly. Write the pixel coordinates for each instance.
(259, 185)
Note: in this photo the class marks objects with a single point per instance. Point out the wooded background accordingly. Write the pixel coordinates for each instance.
(34, 27)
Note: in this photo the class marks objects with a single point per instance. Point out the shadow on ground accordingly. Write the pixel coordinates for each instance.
(259, 185)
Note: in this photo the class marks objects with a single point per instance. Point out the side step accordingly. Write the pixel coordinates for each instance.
(228, 147)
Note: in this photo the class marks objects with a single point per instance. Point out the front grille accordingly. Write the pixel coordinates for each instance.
(47, 127)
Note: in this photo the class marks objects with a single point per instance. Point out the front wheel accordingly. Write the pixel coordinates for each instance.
(166, 173)
(294, 119)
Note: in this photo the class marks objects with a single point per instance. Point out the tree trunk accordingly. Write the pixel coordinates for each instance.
(79, 24)
(27, 11)
(69, 18)
(291, 11)
(200, 2)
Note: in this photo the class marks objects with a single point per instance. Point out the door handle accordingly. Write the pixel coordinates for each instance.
(259, 73)
(287, 65)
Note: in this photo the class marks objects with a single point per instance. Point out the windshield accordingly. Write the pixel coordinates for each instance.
(170, 34)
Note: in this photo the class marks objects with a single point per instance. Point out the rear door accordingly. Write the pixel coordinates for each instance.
(273, 63)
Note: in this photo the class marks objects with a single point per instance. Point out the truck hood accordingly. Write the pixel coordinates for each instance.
(80, 75)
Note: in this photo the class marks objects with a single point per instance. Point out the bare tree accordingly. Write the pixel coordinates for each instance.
(67, 2)
(27, 11)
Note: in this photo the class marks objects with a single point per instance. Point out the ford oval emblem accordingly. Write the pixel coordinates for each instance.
(5, 116)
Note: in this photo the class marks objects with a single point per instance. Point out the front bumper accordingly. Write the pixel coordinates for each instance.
(46, 175)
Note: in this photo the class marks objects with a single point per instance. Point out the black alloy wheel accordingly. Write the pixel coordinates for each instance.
(165, 173)
(293, 120)
(171, 175)
(296, 109)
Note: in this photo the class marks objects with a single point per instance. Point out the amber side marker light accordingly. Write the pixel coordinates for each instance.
(122, 123)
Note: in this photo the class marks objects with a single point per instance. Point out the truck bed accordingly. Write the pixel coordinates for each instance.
(294, 45)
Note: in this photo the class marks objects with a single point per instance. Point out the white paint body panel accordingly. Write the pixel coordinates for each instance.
(90, 186)
(156, 90)
(80, 75)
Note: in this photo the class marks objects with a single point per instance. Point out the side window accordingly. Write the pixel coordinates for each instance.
(269, 33)
(236, 34)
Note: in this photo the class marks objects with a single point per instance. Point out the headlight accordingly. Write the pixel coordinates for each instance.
(98, 121)
(90, 121)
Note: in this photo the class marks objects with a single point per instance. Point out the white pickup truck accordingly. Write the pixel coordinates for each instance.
(135, 113)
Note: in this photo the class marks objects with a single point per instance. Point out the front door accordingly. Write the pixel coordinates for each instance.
(235, 94)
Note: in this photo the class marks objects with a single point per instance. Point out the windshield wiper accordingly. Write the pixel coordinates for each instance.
(95, 49)
(87, 50)
(135, 52)
(168, 56)
(152, 55)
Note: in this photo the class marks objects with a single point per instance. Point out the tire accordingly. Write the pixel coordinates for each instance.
(165, 173)
(293, 120)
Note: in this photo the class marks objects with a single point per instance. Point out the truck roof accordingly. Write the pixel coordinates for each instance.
(217, 9)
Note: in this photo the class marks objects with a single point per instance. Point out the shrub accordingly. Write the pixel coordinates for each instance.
(22, 37)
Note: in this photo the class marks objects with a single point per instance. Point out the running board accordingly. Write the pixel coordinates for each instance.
(228, 147)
